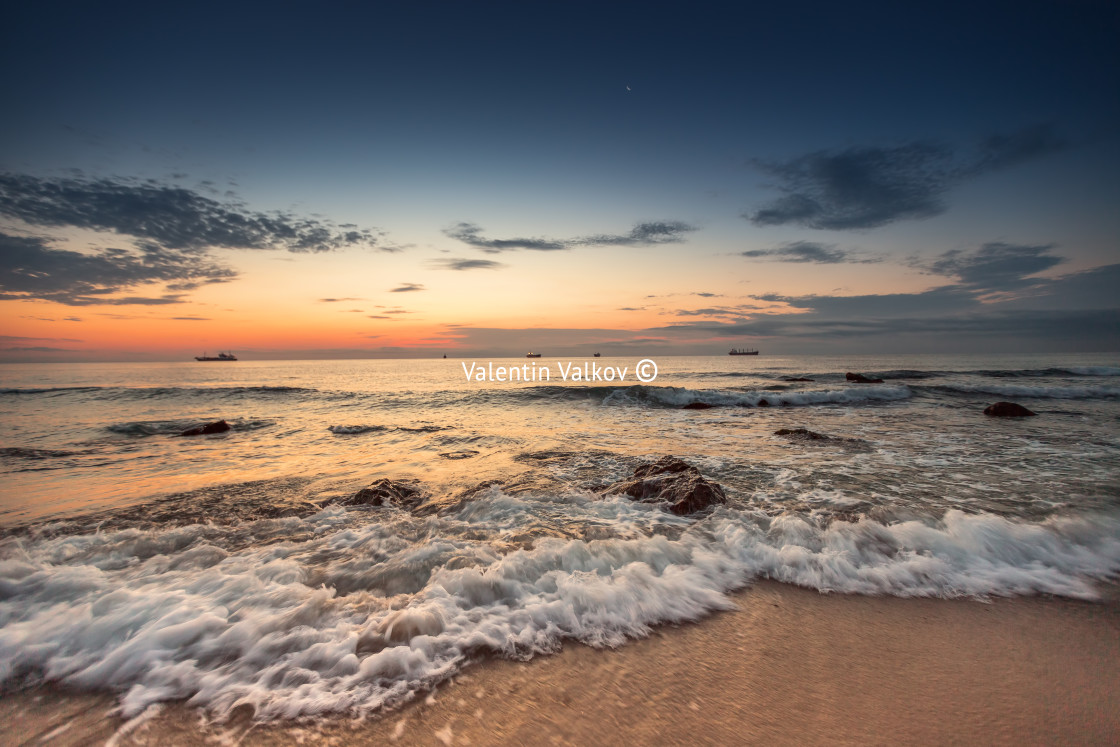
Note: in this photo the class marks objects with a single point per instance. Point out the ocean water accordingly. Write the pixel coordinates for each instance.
(218, 570)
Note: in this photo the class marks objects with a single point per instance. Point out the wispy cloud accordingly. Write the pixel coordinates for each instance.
(859, 188)
(458, 263)
(809, 251)
(995, 266)
(650, 233)
(407, 288)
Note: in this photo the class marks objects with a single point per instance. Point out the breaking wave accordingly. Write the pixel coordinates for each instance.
(351, 617)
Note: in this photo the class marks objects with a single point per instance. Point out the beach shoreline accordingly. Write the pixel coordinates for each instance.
(790, 665)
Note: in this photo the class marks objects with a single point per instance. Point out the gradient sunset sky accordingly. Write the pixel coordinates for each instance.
(481, 179)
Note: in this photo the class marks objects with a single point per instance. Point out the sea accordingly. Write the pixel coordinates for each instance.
(227, 571)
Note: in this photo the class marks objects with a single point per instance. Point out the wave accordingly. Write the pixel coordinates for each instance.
(350, 430)
(176, 427)
(1031, 392)
(19, 452)
(279, 626)
(1092, 370)
(671, 396)
(48, 390)
(1037, 373)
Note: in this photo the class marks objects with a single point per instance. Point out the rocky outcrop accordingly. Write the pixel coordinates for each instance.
(697, 406)
(861, 379)
(1007, 410)
(219, 426)
(673, 482)
(385, 492)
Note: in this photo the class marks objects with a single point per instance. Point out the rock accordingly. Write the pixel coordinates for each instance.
(763, 403)
(385, 492)
(672, 481)
(697, 406)
(1007, 410)
(796, 378)
(464, 454)
(861, 379)
(219, 426)
(802, 434)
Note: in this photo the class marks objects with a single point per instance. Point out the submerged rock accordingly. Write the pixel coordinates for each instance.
(861, 379)
(219, 426)
(697, 406)
(1007, 410)
(796, 378)
(763, 403)
(464, 454)
(671, 481)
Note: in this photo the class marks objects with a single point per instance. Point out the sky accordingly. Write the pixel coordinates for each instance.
(292, 181)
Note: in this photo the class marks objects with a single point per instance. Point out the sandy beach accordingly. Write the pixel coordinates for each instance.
(790, 666)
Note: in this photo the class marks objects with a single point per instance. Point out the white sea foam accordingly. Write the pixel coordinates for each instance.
(347, 616)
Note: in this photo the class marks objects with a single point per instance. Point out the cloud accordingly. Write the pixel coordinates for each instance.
(867, 187)
(809, 251)
(190, 319)
(36, 349)
(32, 269)
(171, 216)
(995, 266)
(470, 234)
(407, 288)
(339, 300)
(1004, 151)
(457, 263)
(643, 234)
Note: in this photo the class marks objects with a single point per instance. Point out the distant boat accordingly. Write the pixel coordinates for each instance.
(598, 356)
(532, 355)
(743, 351)
(220, 357)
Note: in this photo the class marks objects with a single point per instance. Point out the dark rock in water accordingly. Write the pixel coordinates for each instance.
(1007, 410)
(464, 454)
(763, 403)
(697, 406)
(802, 434)
(220, 426)
(671, 481)
(861, 379)
(796, 378)
(385, 492)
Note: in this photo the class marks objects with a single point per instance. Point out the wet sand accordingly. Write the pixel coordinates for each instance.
(790, 666)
